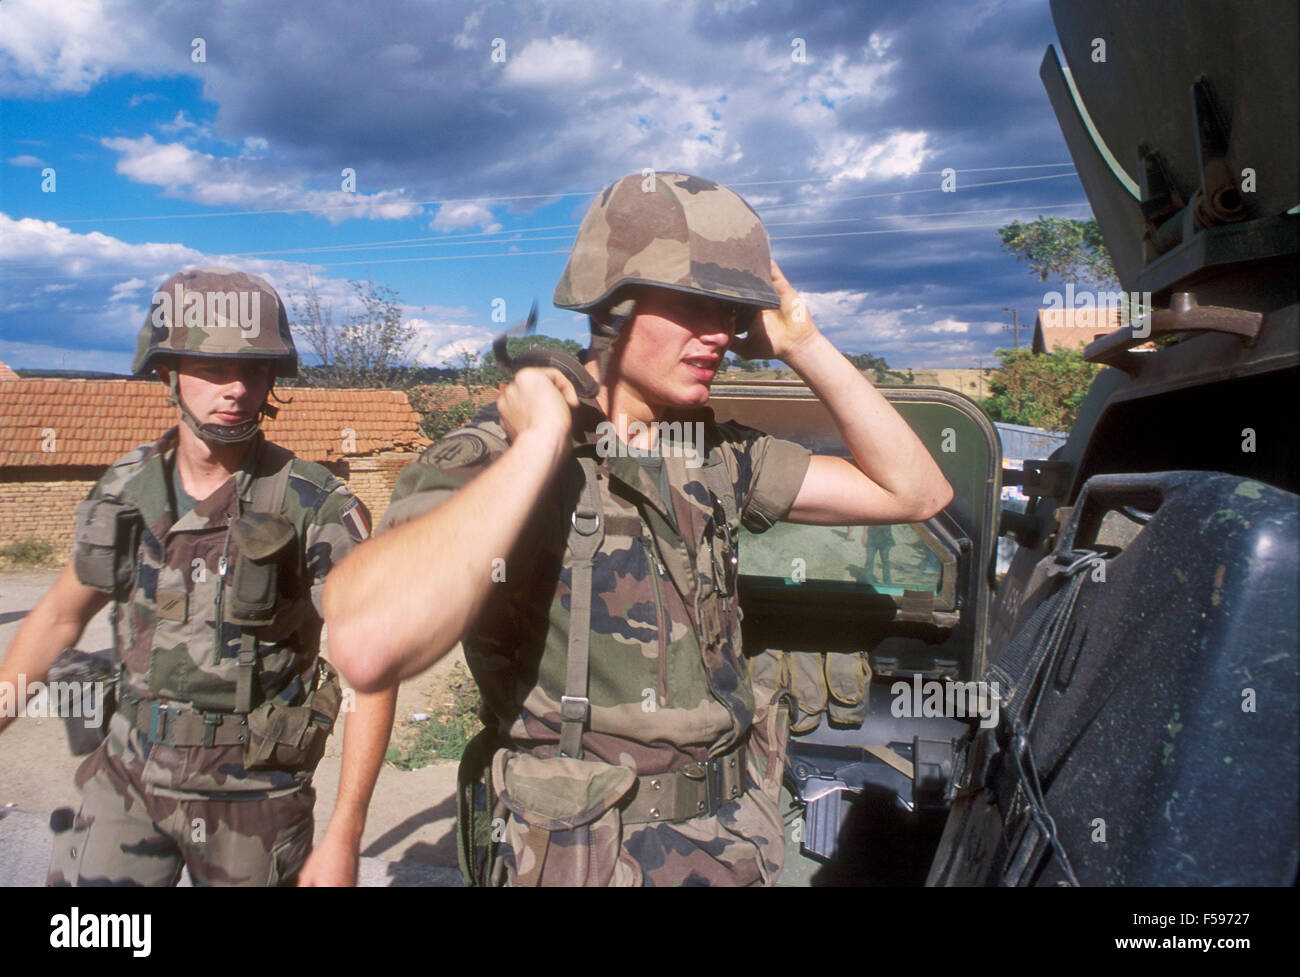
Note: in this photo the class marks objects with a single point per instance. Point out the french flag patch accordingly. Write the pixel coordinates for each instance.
(356, 517)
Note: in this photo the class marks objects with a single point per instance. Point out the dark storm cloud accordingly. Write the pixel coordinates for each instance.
(408, 95)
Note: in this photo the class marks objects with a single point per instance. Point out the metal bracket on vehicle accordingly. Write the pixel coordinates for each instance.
(1050, 479)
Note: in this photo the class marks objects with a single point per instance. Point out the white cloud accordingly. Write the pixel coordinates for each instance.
(76, 300)
(948, 326)
(182, 124)
(554, 61)
(123, 290)
(449, 344)
(26, 160)
(458, 216)
(848, 156)
(465, 40)
(67, 46)
(223, 181)
(89, 292)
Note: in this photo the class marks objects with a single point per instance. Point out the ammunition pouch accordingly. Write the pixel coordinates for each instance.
(262, 540)
(293, 737)
(88, 669)
(106, 534)
(834, 683)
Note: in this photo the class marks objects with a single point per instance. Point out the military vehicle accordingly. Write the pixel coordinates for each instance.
(1122, 708)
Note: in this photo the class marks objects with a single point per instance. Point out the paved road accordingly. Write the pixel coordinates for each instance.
(409, 837)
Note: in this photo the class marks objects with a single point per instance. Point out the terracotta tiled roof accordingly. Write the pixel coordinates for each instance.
(444, 396)
(95, 422)
(6, 373)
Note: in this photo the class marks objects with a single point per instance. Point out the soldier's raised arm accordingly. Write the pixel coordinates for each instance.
(893, 477)
(55, 623)
(402, 600)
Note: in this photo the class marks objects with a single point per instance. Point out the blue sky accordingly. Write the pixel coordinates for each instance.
(479, 132)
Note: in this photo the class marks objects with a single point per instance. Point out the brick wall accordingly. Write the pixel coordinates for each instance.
(42, 502)
(371, 478)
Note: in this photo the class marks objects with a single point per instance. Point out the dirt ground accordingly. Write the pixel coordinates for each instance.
(410, 828)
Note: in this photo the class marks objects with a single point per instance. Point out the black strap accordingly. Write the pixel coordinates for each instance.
(1026, 668)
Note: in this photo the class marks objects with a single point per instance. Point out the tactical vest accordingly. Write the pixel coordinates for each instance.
(209, 609)
(639, 642)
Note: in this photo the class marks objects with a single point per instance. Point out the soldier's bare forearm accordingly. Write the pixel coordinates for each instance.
(402, 600)
(881, 442)
(55, 623)
(365, 739)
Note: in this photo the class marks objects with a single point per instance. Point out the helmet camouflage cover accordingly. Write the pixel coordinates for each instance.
(673, 231)
(216, 312)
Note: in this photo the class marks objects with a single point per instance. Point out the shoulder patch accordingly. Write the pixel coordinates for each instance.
(356, 519)
(310, 495)
(458, 450)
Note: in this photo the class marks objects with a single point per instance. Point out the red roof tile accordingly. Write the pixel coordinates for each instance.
(95, 422)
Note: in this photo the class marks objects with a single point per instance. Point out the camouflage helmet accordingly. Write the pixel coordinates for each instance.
(223, 314)
(670, 230)
(216, 312)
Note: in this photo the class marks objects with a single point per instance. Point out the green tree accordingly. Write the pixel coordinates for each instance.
(1067, 250)
(490, 371)
(372, 347)
(880, 370)
(1043, 390)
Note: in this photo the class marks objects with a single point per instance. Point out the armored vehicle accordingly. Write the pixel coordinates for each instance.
(1122, 707)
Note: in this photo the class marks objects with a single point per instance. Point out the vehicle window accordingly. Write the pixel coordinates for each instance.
(885, 559)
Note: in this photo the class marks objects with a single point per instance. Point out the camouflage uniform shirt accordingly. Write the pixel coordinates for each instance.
(668, 683)
(166, 628)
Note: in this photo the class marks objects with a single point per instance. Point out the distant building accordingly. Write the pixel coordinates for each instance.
(57, 437)
(1075, 328)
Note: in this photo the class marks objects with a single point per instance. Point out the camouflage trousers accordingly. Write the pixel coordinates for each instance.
(127, 833)
(743, 844)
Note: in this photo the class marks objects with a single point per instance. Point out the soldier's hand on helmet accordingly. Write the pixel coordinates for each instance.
(775, 332)
(538, 399)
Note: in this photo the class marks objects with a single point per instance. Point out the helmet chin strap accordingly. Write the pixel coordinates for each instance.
(217, 434)
(603, 334)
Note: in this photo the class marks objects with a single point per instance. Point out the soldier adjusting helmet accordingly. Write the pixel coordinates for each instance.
(669, 230)
(218, 313)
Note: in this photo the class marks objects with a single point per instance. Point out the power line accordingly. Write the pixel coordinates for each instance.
(500, 237)
(524, 196)
(522, 254)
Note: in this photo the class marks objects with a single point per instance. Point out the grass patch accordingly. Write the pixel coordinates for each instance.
(28, 552)
(446, 733)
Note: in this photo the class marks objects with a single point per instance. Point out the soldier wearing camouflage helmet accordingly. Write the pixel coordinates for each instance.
(212, 545)
(588, 556)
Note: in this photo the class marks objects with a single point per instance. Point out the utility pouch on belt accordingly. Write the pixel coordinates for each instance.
(96, 673)
(106, 535)
(293, 737)
(261, 539)
(564, 825)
